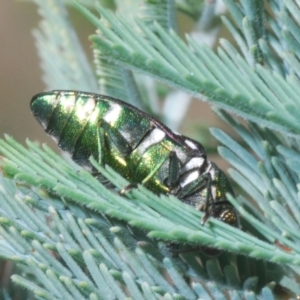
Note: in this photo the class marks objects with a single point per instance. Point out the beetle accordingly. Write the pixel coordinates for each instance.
(137, 146)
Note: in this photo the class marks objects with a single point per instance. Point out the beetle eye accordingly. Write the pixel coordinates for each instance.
(228, 216)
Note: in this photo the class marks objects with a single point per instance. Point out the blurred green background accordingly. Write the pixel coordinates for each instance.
(20, 74)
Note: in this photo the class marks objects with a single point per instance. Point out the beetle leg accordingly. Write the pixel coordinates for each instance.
(198, 184)
(117, 138)
(100, 143)
(103, 180)
(157, 167)
(201, 183)
(131, 186)
(174, 168)
(103, 129)
(128, 188)
(209, 200)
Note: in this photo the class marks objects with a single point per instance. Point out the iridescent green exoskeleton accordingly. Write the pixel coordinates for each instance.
(137, 146)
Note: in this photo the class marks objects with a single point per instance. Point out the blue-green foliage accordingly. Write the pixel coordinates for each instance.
(74, 238)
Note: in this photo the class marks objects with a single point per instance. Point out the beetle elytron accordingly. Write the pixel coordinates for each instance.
(137, 146)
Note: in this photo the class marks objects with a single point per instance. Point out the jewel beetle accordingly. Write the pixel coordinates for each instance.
(137, 146)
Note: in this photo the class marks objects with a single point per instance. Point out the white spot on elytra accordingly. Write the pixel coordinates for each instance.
(67, 103)
(113, 113)
(84, 110)
(191, 144)
(155, 137)
(195, 162)
(211, 170)
(95, 115)
(190, 178)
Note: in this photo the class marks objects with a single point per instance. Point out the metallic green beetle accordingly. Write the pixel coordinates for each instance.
(137, 146)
